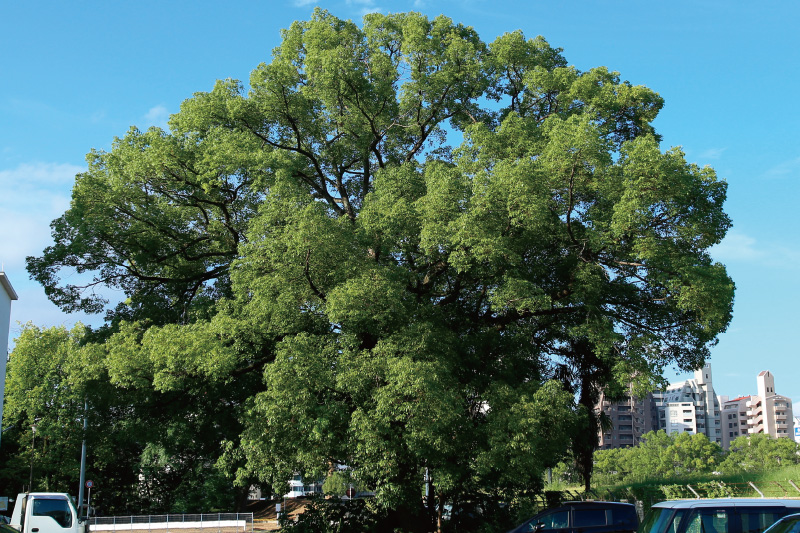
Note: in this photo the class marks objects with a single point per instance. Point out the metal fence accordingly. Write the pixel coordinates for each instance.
(186, 523)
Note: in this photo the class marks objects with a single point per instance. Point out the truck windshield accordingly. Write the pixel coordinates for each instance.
(661, 520)
(57, 509)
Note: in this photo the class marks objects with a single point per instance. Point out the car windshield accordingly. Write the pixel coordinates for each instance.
(661, 520)
(791, 525)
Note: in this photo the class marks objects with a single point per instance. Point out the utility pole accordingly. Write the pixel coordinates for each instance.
(33, 451)
(83, 459)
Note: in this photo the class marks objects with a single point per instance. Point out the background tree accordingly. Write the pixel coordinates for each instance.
(660, 456)
(39, 392)
(689, 454)
(151, 449)
(751, 453)
(411, 306)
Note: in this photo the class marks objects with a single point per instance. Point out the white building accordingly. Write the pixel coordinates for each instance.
(797, 428)
(7, 295)
(691, 406)
(766, 412)
(770, 413)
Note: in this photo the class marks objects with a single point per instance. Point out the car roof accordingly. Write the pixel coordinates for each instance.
(595, 502)
(734, 502)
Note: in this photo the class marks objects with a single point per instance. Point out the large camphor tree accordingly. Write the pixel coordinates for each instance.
(435, 250)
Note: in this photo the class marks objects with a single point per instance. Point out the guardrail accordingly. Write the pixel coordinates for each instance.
(207, 523)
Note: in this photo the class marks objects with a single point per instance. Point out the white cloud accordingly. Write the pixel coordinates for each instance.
(783, 170)
(366, 6)
(33, 194)
(712, 153)
(738, 247)
(157, 116)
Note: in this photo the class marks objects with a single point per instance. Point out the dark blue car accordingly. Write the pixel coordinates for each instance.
(584, 517)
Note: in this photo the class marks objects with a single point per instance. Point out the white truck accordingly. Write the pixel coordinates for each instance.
(46, 512)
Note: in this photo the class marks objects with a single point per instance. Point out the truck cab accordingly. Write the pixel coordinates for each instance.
(46, 512)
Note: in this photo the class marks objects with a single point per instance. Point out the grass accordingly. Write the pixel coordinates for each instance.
(775, 483)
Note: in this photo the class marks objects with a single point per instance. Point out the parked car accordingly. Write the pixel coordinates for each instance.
(787, 524)
(725, 515)
(584, 517)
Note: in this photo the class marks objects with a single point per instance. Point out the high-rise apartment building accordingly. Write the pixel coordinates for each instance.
(767, 412)
(630, 419)
(734, 418)
(691, 406)
(688, 406)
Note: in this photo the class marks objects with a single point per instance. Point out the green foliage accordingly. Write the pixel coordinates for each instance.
(43, 389)
(715, 489)
(692, 460)
(658, 456)
(676, 492)
(315, 278)
(334, 516)
(151, 447)
(759, 452)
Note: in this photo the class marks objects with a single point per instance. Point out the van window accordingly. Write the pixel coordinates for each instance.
(708, 521)
(588, 517)
(58, 510)
(623, 517)
(662, 520)
(756, 520)
(557, 520)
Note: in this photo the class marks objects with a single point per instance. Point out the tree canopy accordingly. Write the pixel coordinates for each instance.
(406, 250)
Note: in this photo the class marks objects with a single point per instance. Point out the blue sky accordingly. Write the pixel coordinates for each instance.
(76, 74)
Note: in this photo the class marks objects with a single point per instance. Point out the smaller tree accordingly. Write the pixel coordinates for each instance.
(40, 392)
(689, 454)
(752, 453)
(611, 466)
(644, 460)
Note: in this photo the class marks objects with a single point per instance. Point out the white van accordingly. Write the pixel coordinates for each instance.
(46, 512)
(723, 515)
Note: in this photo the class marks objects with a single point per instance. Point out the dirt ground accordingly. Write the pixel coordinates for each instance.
(264, 518)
